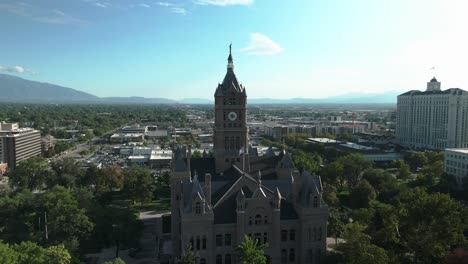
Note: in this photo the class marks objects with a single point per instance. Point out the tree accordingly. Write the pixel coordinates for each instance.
(362, 195)
(196, 154)
(66, 173)
(58, 255)
(30, 253)
(358, 249)
(430, 172)
(430, 224)
(18, 216)
(404, 171)
(115, 261)
(7, 254)
(111, 178)
(29, 174)
(189, 256)
(138, 183)
(67, 223)
(333, 172)
(353, 165)
(251, 251)
(329, 195)
(417, 160)
(163, 187)
(306, 161)
(335, 225)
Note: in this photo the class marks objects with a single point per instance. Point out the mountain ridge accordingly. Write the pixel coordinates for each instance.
(17, 89)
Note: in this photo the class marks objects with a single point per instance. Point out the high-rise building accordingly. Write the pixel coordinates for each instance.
(216, 201)
(18, 144)
(434, 118)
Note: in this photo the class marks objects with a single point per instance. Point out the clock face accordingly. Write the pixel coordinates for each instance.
(232, 116)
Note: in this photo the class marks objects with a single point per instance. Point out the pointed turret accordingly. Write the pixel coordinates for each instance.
(230, 85)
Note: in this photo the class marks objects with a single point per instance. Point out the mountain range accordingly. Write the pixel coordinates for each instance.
(16, 89)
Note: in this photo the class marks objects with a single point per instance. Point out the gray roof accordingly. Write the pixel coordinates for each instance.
(452, 91)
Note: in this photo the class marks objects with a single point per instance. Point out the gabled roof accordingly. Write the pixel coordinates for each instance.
(286, 161)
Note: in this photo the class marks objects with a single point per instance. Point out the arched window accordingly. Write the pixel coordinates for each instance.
(219, 259)
(258, 219)
(265, 238)
(315, 204)
(284, 235)
(315, 234)
(197, 208)
(227, 259)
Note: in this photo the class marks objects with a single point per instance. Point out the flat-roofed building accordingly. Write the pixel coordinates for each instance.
(18, 144)
(456, 164)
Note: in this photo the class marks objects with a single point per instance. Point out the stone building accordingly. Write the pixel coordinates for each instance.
(217, 200)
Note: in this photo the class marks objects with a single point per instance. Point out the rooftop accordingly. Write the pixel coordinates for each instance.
(458, 150)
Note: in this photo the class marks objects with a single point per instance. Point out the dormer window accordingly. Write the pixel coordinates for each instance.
(197, 208)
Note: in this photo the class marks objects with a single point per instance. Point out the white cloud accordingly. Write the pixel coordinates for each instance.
(224, 2)
(40, 14)
(179, 10)
(102, 5)
(165, 4)
(58, 12)
(173, 8)
(16, 69)
(262, 45)
(144, 5)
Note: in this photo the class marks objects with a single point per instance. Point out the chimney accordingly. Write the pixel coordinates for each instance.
(207, 189)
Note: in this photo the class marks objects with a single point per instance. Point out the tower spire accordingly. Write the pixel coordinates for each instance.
(230, 63)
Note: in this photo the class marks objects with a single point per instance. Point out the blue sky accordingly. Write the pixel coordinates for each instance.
(282, 49)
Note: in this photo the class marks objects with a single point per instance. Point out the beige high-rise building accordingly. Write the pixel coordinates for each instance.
(433, 119)
(18, 144)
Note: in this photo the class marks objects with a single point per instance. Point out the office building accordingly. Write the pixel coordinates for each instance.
(18, 144)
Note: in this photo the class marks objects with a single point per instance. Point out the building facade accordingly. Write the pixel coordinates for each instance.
(18, 144)
(456, 164)
(434, 118)
(218, 200)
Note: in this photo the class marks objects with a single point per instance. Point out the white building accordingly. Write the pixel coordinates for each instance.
(456, 164)
(434, 118)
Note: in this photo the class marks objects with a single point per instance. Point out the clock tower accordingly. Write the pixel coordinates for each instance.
(230, 130)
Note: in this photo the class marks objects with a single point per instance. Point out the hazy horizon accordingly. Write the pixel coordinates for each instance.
(281, 49)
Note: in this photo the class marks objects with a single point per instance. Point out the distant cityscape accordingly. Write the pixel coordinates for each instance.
(233, 172)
